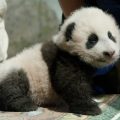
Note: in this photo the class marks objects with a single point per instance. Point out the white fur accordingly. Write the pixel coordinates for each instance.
(31, 61)
(90, 20)
(3, 34)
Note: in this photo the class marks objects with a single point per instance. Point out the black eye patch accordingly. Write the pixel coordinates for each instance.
(111, 36)
(69, 30)
(92, 40)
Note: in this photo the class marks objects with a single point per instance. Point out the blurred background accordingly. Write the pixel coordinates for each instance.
(31, 21)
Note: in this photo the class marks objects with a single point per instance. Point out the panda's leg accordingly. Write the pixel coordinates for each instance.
(77, 96)
(73, 86)
(80, 101)
(14, 93)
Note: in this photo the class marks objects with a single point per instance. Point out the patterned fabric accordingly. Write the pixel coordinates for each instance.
(110, 106)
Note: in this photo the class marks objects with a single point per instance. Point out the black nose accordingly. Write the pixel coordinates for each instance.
(108, 54)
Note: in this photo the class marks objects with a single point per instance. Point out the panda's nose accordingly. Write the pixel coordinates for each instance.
(109, 54)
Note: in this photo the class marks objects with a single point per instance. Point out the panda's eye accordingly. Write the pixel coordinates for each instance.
(111, 36)
(92, 40)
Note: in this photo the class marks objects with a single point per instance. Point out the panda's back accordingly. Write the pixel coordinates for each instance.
(32, 63)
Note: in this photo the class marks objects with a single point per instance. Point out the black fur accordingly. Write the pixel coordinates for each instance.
(92, 41)
(69, 31)
(49, 52)
(71, 80)
(111, 36)
(74, 80)
(14, 93)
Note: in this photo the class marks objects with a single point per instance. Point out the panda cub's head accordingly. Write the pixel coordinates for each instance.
(91, 34)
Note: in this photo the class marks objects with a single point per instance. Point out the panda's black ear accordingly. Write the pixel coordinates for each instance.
(69, 31)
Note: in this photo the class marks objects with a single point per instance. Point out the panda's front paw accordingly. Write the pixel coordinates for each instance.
(85, 110)
(28, 108)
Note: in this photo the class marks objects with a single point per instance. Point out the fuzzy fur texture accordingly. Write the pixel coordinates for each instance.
(33, 64)
(62, 68)
(88, 21)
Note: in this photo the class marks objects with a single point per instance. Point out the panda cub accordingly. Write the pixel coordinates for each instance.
(67, 67)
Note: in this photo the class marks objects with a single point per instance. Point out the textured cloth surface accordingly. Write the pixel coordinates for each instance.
(110, 106)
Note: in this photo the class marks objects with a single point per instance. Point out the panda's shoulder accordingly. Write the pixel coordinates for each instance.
(49, 52)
